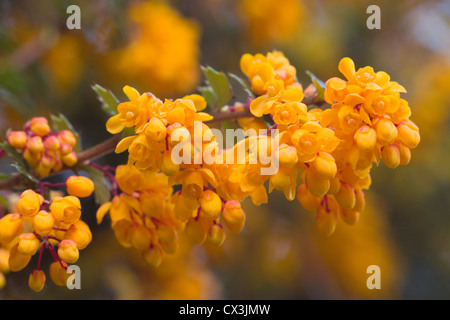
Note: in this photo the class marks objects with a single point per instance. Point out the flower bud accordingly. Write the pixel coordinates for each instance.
(287, 156)
(140, 237)
(192, 185)
(408, 134)
(211, 204)
(168, 167)
(67, 209)
(350, 217)
(17, 261)
(58, 273)
(386, 131)
(36, 280)
(360, 201)
(52, 143)
(46, 162)
(79, 186)
(123, 230)
(10, 227)
(70, 160)
(166, 233)
(216, 235)
(42, 170)
(281, 179)
(391, 156)
(234, 216)
(31, 158)
(182, 212)
(155, 130)
(28, 243)
(153, 255)
(35, 145)
(346, 196)
(325, 165)
(335, 185)
(80, 233)
(67, 137)
(43, 223)
(68, 251)
(39, 126)
(405, 154)
(17, 139)
(366, 138)
(65, 149)
(316, 184)
(307, 199)
(197, 229)
(326, 222)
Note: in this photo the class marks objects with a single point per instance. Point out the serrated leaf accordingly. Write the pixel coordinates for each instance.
(60, 123)
(25, 172)
(108, 99)
(208, 94)
(220, 92)
(98, 178)
(19, 162)
(319, 84)
(243, 84)
(13, 154)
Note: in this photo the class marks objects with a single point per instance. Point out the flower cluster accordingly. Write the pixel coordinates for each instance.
(159, 128)
(271, 21)
(158, 33)
(42, 224)
(333, 148)
(44, 150)
(143, 216)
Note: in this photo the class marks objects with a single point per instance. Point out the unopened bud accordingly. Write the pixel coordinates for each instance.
(36, 280)
(17, 139)
(234, 216)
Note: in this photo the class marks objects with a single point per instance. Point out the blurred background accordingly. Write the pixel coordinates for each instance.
(158, 46)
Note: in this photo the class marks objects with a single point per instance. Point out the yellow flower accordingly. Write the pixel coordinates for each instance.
(234, 216)
(11, 225)
(271, 21)
(79, 186)
(151, 56)
(29, 203)
(43, 223)
(39, 126)
(17, 139)
(28, 243)
(66, 209)
(36, 280)
(68, 251)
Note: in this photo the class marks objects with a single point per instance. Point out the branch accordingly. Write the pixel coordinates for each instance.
(109, 145)
(95, 152)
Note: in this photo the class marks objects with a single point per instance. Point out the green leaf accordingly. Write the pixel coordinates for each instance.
(25, 172)
(243, 84)
(218, 89)
(60, 123)
(19, 162)
(13, 154)
(98, 177)
(319, 84)
(4, 176)
(209, 95)
(108, 99)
